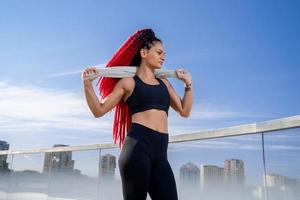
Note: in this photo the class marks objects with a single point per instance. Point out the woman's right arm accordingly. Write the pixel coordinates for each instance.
(100, 108)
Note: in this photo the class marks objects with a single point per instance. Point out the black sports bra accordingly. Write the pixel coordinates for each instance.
(146, 97)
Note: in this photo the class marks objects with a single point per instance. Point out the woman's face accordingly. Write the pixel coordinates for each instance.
(155, 56)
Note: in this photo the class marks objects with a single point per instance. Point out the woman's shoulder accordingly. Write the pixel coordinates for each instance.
(127, 82)
(165, 81)
(127, 79)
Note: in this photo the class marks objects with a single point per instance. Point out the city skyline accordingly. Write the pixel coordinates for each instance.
(62, 162)
(108, 166)
(249, 149)
(58, 168)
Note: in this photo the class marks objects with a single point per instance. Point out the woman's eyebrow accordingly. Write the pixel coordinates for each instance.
(161, 51)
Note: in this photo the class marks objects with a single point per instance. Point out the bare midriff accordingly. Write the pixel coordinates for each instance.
(153, 119)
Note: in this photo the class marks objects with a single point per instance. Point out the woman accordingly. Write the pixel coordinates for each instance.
(145, 99)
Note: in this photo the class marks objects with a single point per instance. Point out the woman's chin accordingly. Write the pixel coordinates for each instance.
(158, 66)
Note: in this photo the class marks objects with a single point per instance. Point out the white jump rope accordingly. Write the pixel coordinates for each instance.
(128, 71)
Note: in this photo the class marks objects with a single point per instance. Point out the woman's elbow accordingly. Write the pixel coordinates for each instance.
(184, 114)
(97, 114)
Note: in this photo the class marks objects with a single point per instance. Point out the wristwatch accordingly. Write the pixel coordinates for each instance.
(188, 87)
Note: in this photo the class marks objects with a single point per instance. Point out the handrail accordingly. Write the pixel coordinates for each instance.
(266, 126)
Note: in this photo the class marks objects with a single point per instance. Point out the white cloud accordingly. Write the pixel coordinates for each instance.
(63, 74)
(70, 73)
(30, 109)
(211, 111)
(213, 115)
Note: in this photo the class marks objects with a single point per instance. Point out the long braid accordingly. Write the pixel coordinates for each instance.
(123, 57)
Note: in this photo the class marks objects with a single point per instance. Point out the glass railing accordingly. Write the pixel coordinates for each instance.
(252, 161)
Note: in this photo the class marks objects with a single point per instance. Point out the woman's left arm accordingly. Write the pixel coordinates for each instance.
(182, 106)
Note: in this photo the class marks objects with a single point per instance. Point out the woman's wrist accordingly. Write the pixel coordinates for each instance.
(188, 86)
(87, 83)
(187, 83)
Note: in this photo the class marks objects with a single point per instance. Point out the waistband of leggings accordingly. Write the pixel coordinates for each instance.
(136, 127)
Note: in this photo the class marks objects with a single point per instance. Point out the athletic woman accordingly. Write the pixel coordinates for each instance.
(141, 115)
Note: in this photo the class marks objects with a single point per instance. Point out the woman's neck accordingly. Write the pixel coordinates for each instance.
(145, 72)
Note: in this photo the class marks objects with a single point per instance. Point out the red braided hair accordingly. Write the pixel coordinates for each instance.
(123, 57)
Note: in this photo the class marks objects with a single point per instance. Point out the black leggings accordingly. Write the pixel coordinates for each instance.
(144, 166)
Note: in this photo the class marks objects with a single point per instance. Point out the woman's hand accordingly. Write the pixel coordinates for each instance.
(90, 74)
(184, 75)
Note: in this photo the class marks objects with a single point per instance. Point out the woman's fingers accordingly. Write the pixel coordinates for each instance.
(181, 73)
(184, 75)
(90, 73)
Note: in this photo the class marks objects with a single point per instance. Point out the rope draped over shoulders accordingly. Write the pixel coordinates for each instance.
(123, 57)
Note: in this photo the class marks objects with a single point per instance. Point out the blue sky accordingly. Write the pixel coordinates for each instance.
(243, 56)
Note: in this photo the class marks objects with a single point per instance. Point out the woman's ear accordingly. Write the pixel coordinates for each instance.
(143, 53)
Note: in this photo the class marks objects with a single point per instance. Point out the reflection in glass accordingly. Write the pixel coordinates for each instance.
(72, 175)
(282, 150)
(5, 169)
(110, 180)
(226, 168)
(27, 179)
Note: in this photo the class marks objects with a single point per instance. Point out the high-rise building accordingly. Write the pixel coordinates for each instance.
(189, 175)
(211, 176)
(234, 173)
(59, 162)
(108, 165)
(4, 145)
(3, 158)
(275, 180)
(281, 187)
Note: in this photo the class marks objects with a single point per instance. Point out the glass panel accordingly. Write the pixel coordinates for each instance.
(225, 168)
(282, 150)
(27, 180)
(72, 175)
(5, 169)
(110, 179)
